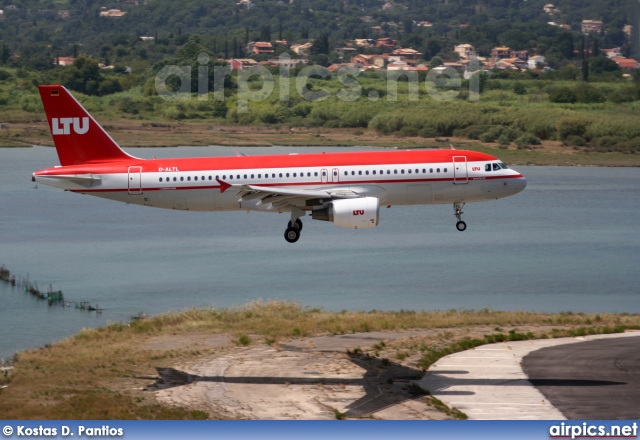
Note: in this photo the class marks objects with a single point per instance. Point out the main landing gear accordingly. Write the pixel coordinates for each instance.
(457, 210)
(292, 233)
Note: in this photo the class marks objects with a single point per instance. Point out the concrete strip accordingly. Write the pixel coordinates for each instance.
(488, 382)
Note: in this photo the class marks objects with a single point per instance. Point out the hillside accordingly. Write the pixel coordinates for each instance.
(38, 30)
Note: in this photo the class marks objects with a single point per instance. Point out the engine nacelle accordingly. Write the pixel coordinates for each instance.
(351, 213)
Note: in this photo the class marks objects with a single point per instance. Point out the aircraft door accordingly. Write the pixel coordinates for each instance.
(460, 174)
(325, 175)
(135, 180)
(335, 175)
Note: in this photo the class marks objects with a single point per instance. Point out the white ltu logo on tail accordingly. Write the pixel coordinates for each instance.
(63, 125)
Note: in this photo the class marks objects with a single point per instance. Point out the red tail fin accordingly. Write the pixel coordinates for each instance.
(78, 137)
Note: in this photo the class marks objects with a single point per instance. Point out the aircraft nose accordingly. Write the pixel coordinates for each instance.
(518, 184)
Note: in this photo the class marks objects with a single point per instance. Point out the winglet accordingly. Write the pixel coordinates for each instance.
(223, 186)
(452, 147)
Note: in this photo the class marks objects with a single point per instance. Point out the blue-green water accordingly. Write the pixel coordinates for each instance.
(569, 241)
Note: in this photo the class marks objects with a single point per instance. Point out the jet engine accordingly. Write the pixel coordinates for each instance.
(358, 213)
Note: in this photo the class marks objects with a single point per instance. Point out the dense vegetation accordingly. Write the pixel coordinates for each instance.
(39, 30)
(599, 116)
(585, 103)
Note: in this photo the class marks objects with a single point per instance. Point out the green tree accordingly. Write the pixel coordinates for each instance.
(600, 65)
(5, 53)
(563, 95)
(519, 88)
(587, 94)
(435, 62)
(82, 76)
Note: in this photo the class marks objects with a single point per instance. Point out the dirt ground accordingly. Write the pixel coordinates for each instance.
(361, 375)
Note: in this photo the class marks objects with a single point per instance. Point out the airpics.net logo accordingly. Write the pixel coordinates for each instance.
(257, 83)
(590, 430)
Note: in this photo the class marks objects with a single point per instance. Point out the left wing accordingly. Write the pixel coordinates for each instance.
(279, 197)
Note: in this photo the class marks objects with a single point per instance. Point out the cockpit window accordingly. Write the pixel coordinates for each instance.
(496, 167)
(503, 166)
(487, 167)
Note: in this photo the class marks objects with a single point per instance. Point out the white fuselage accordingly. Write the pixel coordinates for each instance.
(393, 184)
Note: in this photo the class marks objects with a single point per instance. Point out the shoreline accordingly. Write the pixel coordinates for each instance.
(138, 134)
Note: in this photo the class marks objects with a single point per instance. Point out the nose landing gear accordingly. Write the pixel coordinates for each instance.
(457, 210)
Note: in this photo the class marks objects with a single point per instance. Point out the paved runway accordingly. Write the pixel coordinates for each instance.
(590, 380)
(595, 377)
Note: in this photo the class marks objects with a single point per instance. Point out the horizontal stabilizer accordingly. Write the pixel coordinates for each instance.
(86, 180)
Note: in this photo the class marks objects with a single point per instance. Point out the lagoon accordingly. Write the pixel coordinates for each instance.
(568, 242)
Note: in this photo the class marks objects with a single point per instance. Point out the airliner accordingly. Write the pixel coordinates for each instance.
(346, 188)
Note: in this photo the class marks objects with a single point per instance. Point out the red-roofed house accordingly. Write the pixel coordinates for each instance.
(369, 60)
(407, 54)
(386, 42)
(499, 53)
(626, 63)
(334, 67)
(63, 61)
(260, 47)
(242, 63)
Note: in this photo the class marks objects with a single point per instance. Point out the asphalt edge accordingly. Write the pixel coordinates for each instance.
(488, 382)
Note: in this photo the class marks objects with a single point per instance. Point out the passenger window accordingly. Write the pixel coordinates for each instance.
(445, 170)
(230, 176)
(438, 170)
(252, 176)
(366, 172)
(409, 171)
(431, 170)
(424, 171)
(388, 171)
(238, 176)
(395, 171)
(161, 179)
(315, 174)
(195, 178)
(401, 171)
(417, 171)
(374, 172)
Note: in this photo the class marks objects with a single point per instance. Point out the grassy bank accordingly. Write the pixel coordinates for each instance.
(133, 134)
(519, 124)
(100, 373)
